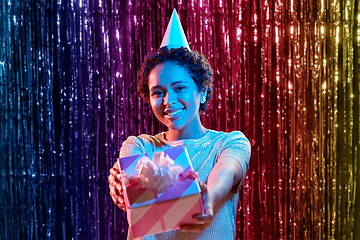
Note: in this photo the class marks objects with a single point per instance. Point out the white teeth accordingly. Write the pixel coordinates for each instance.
(174, 114)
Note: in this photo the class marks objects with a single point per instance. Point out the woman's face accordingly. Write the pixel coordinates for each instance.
(174, 97)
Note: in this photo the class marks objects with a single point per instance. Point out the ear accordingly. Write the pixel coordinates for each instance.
(202, 96)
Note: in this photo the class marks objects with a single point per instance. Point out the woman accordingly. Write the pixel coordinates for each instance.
(177, 83)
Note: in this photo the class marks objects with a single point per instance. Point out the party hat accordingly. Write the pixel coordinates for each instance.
(174, 36)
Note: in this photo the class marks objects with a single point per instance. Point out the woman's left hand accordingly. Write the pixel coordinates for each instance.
(205, 220)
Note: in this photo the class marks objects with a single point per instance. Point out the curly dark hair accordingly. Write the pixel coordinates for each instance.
(196, 64)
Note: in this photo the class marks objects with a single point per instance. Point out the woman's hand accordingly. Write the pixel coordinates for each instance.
(205, 220)
(115, 186)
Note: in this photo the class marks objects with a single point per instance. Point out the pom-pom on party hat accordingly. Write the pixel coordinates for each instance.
(174, 36)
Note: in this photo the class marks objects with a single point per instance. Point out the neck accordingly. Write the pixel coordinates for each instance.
(174, 135)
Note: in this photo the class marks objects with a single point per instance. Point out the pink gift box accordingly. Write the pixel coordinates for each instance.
(150, 211)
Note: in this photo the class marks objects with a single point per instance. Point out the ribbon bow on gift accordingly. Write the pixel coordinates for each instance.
(157, 174)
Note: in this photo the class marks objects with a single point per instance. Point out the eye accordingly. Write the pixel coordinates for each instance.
(179, 88)
(157, 93)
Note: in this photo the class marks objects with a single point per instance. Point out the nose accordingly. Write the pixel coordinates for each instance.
(170, 98)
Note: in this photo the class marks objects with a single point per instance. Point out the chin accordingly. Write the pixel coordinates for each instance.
(174, 128)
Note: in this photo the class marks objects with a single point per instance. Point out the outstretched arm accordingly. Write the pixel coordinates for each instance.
(226, 173)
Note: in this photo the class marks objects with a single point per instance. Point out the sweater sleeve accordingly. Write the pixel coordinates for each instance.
(238, 147)
(132, 146)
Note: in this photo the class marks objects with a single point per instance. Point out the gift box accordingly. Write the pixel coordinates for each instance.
(160, 190)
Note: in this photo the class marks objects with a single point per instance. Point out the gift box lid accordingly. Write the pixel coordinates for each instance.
(182, 187)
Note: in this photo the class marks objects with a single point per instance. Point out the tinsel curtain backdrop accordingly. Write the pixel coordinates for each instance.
(286, 74)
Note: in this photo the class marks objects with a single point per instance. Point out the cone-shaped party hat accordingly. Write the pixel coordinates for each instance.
(174, 36)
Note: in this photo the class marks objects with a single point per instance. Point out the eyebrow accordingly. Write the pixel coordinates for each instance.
(174, 83)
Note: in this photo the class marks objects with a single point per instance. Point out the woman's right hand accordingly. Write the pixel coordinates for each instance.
(115, 186)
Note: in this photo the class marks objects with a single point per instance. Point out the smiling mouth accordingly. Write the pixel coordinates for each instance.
(175, 114)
